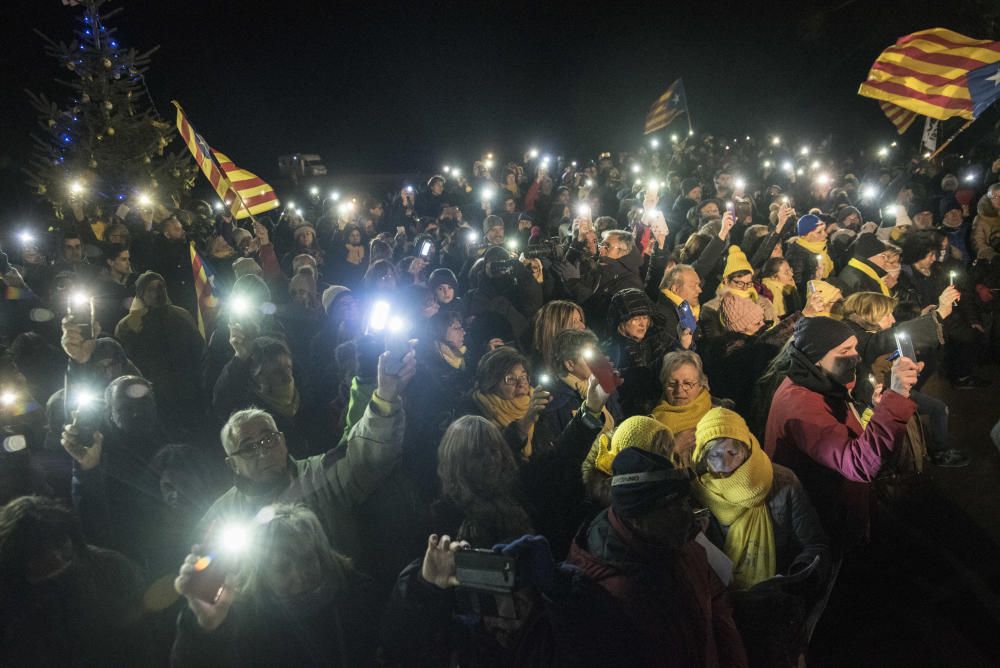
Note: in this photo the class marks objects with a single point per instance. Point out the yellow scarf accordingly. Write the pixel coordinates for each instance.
(678, 300)
(870, 273)
(739, 503)
(451, 358)
(502, 412)
(818, 248)
(682, 418)
(581, 388)
(749, 293)
(779, 290)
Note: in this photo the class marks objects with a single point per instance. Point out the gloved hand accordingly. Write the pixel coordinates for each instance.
(567, 271)
(536, 567)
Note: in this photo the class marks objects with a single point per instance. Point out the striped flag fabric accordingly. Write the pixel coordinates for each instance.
(667, 108)
(254, 194)
(203, 157)
(901, 118)
(937, 73)
(204, 287)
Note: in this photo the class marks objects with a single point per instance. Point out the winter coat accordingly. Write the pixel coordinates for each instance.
(340, 631)
(851, 280)
(815, 430)
(332, 485)
(575, 624)
(804, 266)
(798, 534)
(638, 362)
(985, 236)
(563, 404)
(675, 601)
(599, 286)
(514, 303)
(168, 351)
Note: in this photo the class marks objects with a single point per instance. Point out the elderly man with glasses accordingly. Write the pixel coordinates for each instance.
(333, 484)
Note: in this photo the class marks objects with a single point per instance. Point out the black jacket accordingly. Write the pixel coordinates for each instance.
(853, 280)
(598, 286)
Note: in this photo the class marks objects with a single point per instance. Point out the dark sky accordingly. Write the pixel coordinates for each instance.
(393, 87)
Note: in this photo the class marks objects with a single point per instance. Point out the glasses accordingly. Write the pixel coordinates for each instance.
(686, 385)
(741, 285)
(515, 380)
(257, 448)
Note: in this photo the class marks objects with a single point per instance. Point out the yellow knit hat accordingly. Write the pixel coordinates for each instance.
(721, 423)
(736, 261)
(636, 432)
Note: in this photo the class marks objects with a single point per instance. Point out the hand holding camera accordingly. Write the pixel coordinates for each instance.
(438, 567)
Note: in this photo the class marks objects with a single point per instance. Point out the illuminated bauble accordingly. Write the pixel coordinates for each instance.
(111, 132)
(107, 63)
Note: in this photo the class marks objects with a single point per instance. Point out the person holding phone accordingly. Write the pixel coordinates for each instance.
(815, 427)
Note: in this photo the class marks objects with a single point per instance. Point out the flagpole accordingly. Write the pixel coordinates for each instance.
(951, 139)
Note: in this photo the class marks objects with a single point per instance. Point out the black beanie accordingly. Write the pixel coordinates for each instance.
(442, 276)
(815, 337)
(868, 245)
(640, 479)
(688, 184)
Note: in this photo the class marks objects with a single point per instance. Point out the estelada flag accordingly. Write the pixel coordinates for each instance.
(901, 118)
(937, 73)
(204, 287)
(667, 107)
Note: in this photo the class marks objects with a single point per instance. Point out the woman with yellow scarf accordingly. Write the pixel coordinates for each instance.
(761, 516)
(685, 400)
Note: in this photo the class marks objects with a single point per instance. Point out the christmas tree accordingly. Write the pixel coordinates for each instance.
(106, 145)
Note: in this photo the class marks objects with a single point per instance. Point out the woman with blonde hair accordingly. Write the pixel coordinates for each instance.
(554, 317)
(292, 601)
(686, 399)
(870, 317)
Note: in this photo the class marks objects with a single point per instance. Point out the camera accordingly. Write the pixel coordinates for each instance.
(486, 583)
(550, 249)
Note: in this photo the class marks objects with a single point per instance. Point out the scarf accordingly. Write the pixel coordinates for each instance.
(502, 412)
(870, 272)
(682, 418)
(581, 389)
(750, 293)
(355, 254)
(456, 360)
(739, 503)
(818, 248)
(779, 290)
(282, 400)
(678, 300)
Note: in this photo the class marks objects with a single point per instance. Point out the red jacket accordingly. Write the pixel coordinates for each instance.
(676, 601)
(821, 439)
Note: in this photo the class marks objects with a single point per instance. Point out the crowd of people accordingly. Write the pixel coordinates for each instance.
(635, 410)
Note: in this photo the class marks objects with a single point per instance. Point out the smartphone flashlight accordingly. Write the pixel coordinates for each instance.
(951, 278)
(8, 398)
(425, 248)
(379, 317)
(239, 305)
(26, 238)
(583, 211)
(472, 236)
(544, 379)
(84, 398)
(740, 184)
(314, 191)
(234, 538)
(409, 189)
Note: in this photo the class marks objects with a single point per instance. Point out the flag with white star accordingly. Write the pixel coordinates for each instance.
(937, 73)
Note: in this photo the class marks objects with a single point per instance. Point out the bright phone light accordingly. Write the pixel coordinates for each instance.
(488, 194)
(823, 179)
(890, 210)
(380, 316)
(740, 184)
(472, 236)
(78, 298)
(85, 398)
(869, 192)
(533, 153)
(446, 169)
(9, 398)
(144, 199)
(588, 353)
(334, 195)
(775, 141)
(767, 164)
(882, 152)
(314, 191)
(397, 325)
(787, 166)
(583, 210)
(239, 305)
(26, 237)
(636, 168)
(544, 379)
(654, 142)
(218, 206)
(234, 538)
(674, 138)
(804, 150)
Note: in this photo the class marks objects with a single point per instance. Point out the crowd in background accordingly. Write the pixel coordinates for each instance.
(660, 394)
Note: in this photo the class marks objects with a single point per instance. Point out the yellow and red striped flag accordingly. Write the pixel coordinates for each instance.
(204, 288)
(937, 73)
(203, 157)
(667, 108)
(901, 118)
(255, 195)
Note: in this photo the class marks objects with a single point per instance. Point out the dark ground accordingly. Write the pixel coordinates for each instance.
(926, 592)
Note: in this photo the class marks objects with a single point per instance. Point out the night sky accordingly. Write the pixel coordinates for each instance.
(389, 88)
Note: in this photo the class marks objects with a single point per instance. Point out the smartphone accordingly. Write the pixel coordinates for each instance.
(88, 420)
(904, 346)
(601, 367)
(425, 249)
(811, 286)
(82, 317)
(397, 344)
(220, 558)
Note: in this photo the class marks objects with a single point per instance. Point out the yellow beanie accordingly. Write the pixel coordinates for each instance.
(736, 261)
(720, 423)
(636, 432)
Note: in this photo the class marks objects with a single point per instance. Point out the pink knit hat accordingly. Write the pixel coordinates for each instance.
(740, 314)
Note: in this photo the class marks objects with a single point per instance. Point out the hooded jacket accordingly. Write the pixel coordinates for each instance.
(985, 230)
(814, 429)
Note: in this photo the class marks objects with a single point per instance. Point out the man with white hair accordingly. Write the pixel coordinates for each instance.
(332, 485)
